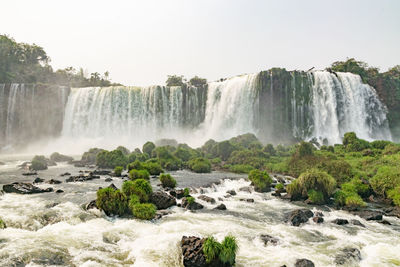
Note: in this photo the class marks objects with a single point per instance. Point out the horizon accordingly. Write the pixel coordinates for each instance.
(142, 43)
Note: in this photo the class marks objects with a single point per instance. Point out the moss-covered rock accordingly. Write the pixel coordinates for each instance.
(260, 180)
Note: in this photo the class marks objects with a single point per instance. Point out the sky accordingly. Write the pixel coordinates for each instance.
(141, 42)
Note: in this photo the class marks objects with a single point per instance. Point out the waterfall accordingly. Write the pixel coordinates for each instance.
(342, 103)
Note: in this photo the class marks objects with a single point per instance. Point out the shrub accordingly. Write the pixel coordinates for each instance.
(111, 159)
(200, 165)
(316, 197)
(241, 168)
(279, 186)
(118, 171)
(38, 163)
(112, 202)
(255, 158)
(391, 149)
(338, 169)
(269, 149)
(197, 81)
(305, 149)
(190, 200)
(124, 150)
(139, 174)
(394, 195)
(145, 211)
(260, 180)
(186, 192)
(154, 168)
(386, 178)
(133, 200)
(148, 148)
(2, 224)
(139, 187)
(89, 157)
(136, 165)
(313, 179)
(224, 149)
(354, 144)
(211, 249)
(354, 201)
(380, 144)
(228, 251)
(57, 157)
(167, 159)
(167, 180)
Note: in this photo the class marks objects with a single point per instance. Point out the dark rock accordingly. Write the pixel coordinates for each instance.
(29, 173)
(286, 197)
(385, 222)
(65, 174)
(207, 199)
(250, 200)
(220, 207)
(82, 177)
(101, 172)
(340, 221)
(53, 181)
(38, 180)
(161, 213)
(231, 192)
(348, 255)
(319, 214)
(276, 194)
(318, 219)
(393, 211)
(24, 188)
(109, 179)
(59, 191)
(162, 200)
(246, 189)
(91, 205)
(300, 216)
(357, 222)
(191, 206)
(304, 263)
(113, 186)
(52, 205)
(369, 215)
(178, 193)
(192, 251)
(269, 239)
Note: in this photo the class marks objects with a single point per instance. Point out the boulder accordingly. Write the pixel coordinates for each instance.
(53, 181)
(299, 216)
(357, 222)
(318, 219)
(161, 213)
(192, 251)
(191, 206)
(177, 193)
(91, 205)
(385, 222)
(393, 211)
(82, 177)
(113, 186)
(250, 200)
(340, 221)
(247, 189)
(38, 180)
(57, 157)
(162, 200)
(65, 174)
(347, 256)
(101, 172)
(369, 215)
(109, 179)
(207, 199)
(24, 188)
(59, 191)
(29, 173)
(267, 239)
(2, 163)
(304, 263)
(231, 192)
(220, 207)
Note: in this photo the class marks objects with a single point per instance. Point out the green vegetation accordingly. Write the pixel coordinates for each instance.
(279, 186)
(139, 174)
(211, 249)
(112, 202)
(225, 252)
(148, 148)
(153, 168)
(386, 178)
(260, 180)
(167, 181)
(145, 211)
(111, 159)
(186, 192)
(2, 224)
(200, 165)
(39, 163)
(190, 200)
(139, 187)
(118, 171)
(89, 157)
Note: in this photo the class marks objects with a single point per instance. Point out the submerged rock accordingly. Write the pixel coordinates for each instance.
(247, 189)
(38, 180)
(161, 213)
(231, 192)
(369, 215)
(65, 174)
(393, 211)
(304, 263)
(318, 219)
(191, 206)
(207, 199)
(24, 188)
(101, 172)
(162, 200)
(53, 181)
(91, 205)
(348, 255)
(357, 222)
(57, 157)
(178, 193)
(29, 173)
(220, 207)
(340, 221)
(109, 179)
(82, 177)
(300, 216)
(59, 191)
(267, 239)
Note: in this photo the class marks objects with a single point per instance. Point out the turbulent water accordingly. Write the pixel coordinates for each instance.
(303, 105)
(54, 229)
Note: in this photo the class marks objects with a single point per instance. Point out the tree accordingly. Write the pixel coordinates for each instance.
(197, 81)
(174, 80)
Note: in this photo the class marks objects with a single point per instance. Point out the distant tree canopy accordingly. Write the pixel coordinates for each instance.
(179, 80)
(26, 63)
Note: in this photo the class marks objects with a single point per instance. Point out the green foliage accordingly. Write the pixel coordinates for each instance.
(2, 224)
(316, 197)
(338, 169)
(174, 80)
(136, 165)
(118, 170)
(228, 251)
(112, 202)
(154, 168)
(139, 174)
(260, 180)
(38, 163)
(269, 149)
(145, 211)
(148, 148)
(394, 195)
(211, 249)
(111, 159)
(185, 153)
(224, 149)
(89, 157)
(305, 149)
(312, 179)
(240, 168)
(137, 155)
(279, 186)
(186, 192)
(354, 144)
(380, 144)
(200, 165)
(57, 157)
(167, 159)
(190, 200)
(391, 149)
(124, 150)
(133, 200)
(255, 157)
(197, 81)
(387, 178)
(167, 181)
(139, 187)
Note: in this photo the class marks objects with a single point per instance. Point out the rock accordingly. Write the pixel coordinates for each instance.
(191, 206)
(286, 197)
(276, 194)
(24, 188)
(250, 200)
(357, 222)
(393, 211)
(369, 215)
(162, 200)
(38, 180)
(91, 205)
(300, 216)
(348, 255)
(101, 172)
(220, 207)
(109, 179)
(231, 192)
(246, 189)
(65, 174)
(319, 214)
(385, 222)
(318, 219)
(53, 181)
(340, 221)
(269, 239)
(82, 177)
(207, 199)
(192, 251)
(57, 157)
(113, 186)
(29, 173)
(59, 191)
(161, 213)
(304, 263)
(177, 193)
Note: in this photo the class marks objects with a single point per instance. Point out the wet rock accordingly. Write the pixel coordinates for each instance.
(385, 222)
(207, 199)
(192, 251)
(340, 221)
(82, 177)
(250, 200)
(109, 179)
(348, 255)
(53, 181)
(38, 180)
(319, 214)
(162, 200)
(191, 206)
(299, 216)
(29, 173)
(101, 172)
(393, 211)
(369, 215)
(246, 189)
(59, 191)
(267, 239)
(318, 219)
(161, 213)
(65, 174)
(113, 186)
(52, 205)
(276, 194)
(227, 196)
(91, 205)
(220, 207)
(24, 188)
(78, 163)
(178, 193)
(286, 197)
(231, 192)
(304, 263)
(357, 222)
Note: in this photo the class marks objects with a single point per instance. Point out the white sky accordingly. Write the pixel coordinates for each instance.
(141, 42)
